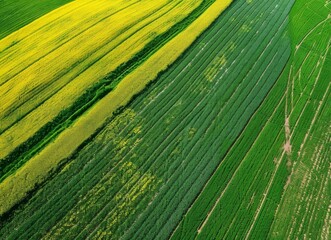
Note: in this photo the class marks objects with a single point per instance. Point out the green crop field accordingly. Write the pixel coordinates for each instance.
(146, 119)
(16, 14)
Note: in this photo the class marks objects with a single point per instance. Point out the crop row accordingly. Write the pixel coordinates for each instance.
(174, 134)
(65, 117)
(232, 206)
(222, 114)
(304, 208)
(14, 71)
(16, 14)
(22, 185)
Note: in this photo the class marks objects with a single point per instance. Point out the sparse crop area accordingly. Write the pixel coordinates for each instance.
(145, 119)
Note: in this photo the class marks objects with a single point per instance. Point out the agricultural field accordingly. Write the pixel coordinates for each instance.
(51, 102)
(143, 119)
(16, 14)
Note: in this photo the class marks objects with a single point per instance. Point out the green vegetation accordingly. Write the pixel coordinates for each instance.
(15, 14)
(243, 196)
(66, 117)
(304, 209)
(192, 105)
(232, 141)
(16, 187)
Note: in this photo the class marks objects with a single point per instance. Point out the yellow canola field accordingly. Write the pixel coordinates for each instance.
(15, 187)
(47, 65)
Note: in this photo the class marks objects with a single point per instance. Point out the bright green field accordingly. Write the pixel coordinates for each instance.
(263, 189)
(232, 141)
